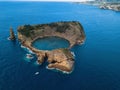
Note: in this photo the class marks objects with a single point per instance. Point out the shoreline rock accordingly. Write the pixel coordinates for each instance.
(12, 35)
(61, 59)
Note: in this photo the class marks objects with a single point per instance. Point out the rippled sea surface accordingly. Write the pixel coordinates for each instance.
(97, 61)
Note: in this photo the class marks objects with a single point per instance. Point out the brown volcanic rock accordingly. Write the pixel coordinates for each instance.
(61, 59)
(40, 58)
(71, 31)
(12, 35)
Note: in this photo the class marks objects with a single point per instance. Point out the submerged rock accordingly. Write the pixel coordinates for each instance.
(61, 59)
(29, 56)
(12, 35)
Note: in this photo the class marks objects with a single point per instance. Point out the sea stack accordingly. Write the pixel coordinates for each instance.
(12, 35)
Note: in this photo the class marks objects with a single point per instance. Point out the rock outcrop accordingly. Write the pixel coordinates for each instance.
(12, 35)
(61, 59)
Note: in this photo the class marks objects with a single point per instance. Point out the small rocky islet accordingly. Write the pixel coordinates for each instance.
(62, 58)
(12, 35)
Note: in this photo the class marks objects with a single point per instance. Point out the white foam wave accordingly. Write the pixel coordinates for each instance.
(8, 38)
(23, 46)
(30, 51)
(36, 63)
(29, 56)
(73, 54)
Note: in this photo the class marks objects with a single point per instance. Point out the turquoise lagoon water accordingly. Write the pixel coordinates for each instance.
(50, 43)
(97, 61)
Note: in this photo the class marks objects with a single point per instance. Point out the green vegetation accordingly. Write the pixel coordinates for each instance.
(61, 27)
(27, 30)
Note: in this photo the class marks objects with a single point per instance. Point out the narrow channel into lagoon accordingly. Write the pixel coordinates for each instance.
(50, 43)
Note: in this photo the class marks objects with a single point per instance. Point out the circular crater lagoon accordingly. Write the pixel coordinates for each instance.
(50, 43)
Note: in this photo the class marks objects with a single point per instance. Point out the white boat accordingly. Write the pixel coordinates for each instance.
(36, 73)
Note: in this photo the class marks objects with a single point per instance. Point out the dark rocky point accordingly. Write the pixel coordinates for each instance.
(12, 35)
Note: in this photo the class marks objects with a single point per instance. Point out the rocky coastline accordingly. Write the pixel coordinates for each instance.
(61, 59)
(104, 4)
(114, 7)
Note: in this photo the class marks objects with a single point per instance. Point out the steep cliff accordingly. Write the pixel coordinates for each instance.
(61, 59)
(12, 35)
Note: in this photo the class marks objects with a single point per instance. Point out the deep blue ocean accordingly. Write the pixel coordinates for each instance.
(97, 61)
